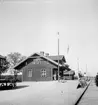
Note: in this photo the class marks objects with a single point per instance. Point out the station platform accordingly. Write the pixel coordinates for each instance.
(91, 95)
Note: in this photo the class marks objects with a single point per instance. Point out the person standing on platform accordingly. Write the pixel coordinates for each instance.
(96, 80)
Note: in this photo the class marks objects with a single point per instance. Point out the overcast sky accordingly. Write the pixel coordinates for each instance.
(29, 26)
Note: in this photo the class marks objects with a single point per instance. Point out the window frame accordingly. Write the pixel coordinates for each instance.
(43, 72)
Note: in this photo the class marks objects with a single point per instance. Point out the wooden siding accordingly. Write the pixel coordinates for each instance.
(36, 71)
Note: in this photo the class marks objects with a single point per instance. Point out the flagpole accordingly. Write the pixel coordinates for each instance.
(58, 57)
(67, 56)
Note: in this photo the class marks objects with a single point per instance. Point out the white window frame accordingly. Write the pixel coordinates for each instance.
(43, 73)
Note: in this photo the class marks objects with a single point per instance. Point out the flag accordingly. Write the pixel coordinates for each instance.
(58, 33)
(68, 49)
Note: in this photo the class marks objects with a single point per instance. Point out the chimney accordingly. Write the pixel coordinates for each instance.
(47, 54)
(42, 52)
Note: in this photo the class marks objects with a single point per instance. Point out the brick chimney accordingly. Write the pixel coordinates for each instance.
(42, 53)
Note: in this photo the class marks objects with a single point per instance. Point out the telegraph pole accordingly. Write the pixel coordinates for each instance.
(78, 66)
(86, 72)
(67, 56)
(78, 63)
(58, 57)
(86, 69)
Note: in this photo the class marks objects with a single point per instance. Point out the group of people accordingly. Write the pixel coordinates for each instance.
(82, 80)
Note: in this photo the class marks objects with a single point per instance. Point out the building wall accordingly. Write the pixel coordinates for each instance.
(36, 68)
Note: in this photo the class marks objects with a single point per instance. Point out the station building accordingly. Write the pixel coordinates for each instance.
(41, 67)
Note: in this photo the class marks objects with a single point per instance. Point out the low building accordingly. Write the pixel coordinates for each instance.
(41, 67)
(69, 75)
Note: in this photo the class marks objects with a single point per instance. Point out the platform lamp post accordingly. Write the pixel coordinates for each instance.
(58, 57)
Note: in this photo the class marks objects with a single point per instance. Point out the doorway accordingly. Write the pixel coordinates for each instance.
(55, 74)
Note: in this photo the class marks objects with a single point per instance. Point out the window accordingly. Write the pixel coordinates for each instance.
(43, 73)
(30, 73)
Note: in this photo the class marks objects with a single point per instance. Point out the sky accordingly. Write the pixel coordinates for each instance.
(28, 26)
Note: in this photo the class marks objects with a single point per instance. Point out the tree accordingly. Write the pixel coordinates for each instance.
(15, 58)
(4, 64)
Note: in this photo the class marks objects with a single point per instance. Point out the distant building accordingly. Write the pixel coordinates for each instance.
(41, 67)
(69, 75)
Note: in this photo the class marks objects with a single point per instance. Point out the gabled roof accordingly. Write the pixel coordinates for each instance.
(44, 57)
(60, 57)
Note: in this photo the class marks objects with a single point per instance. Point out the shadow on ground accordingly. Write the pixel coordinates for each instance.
(11, 88)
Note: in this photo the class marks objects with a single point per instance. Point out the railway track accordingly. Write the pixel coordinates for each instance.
(81, 97)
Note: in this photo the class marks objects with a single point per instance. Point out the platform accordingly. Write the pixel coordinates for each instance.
(91, 96)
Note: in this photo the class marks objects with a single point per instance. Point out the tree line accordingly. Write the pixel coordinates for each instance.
(9, 61)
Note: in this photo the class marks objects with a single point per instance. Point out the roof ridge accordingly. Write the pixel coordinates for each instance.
(39, 55)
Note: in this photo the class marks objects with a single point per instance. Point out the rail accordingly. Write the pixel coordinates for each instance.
(79, 99)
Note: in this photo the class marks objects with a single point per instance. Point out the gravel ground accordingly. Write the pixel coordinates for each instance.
(41, 93)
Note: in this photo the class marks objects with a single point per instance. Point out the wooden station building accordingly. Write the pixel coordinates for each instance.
(41, 67)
